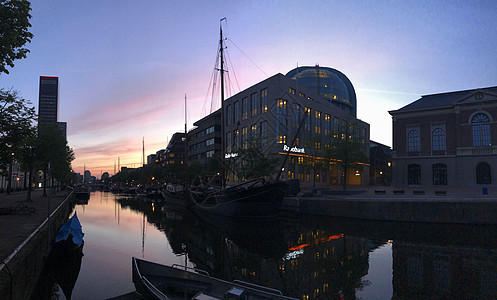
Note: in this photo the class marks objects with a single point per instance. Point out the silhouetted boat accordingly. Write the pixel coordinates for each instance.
(255, 198)
(82, 192)
(156, 281)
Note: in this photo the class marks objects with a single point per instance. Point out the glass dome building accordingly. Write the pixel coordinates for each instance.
(329, 83)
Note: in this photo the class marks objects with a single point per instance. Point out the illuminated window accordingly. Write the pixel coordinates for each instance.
(317, 145)
(301, 160)
(228, 142)
(281, 103)
(327, 125)
(302, 95)
(263, 101)
(317, 122)
(282, 139)
(244, 138)
(307, 124)
(253, 104)
(253, 130)
(236, 134)
(292, 91)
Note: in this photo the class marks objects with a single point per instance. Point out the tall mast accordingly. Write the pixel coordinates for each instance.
(143, 152)
(223, 171)
(185, 159)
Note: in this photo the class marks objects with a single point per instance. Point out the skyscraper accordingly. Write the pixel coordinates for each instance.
(48, 105)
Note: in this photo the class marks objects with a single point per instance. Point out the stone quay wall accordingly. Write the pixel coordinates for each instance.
(21, 270)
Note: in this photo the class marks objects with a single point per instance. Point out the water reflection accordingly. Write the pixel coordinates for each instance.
(307, 257)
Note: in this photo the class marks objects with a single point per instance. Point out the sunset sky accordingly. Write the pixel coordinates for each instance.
(124, 67)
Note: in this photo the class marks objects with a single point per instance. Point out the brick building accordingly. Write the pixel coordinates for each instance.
(446, 140)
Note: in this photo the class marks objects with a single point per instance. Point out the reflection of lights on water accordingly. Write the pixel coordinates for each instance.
(293, 254)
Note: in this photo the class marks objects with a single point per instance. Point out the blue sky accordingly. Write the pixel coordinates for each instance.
(125, 66)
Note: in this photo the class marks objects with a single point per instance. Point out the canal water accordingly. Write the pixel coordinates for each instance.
(307, 257)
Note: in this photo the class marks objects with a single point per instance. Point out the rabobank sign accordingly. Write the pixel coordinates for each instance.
(294, 149)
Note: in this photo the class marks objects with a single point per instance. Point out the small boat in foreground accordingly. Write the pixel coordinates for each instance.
(156, 281)
(66, 255)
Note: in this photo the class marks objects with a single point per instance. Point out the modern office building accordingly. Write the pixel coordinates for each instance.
(272, 111)
(205, 139)
(446, 140)
(48, 105)
(329, 83)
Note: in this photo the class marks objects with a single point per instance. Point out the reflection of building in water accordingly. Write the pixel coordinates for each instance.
(317, 264)
(423, 271)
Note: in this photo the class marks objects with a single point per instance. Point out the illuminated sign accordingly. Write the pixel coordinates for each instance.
(294, 149)
(230, 155)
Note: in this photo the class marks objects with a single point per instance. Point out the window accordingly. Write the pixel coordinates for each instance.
(236, 133)
(439, 174)
(209, 130)
(263, 132)
(414, 174)
(244, 138)
(253, 104)
(253, 130)
(413, 141)
(327, 124)
(281, 118)
(228, 142)
(209, 142)
(483, 173)
(438, 139)
(263, 101)
(317, 122)
(229, 115)
(291, 91)
(307, 124)
(244, 108)
(281, 139)
(210, 153)
(481, 130)
(236, 112)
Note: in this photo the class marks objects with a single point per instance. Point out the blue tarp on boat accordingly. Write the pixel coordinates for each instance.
(71, 226)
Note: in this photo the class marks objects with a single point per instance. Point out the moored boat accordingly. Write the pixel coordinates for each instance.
(82, 192)
(156, 281)
(255, 199)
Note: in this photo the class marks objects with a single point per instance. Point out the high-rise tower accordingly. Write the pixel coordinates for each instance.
(48, 105)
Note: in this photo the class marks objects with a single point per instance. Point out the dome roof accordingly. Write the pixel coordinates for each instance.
(329, 83)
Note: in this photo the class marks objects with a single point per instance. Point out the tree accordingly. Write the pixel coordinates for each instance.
(16, 125)
(348, 151)
(52, 148)
(254, 162)
(14, 34)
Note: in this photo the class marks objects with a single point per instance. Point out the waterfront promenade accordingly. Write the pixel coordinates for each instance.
(19, 221)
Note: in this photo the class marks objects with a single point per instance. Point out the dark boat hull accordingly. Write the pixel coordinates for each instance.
(259, 201)
(156, 281)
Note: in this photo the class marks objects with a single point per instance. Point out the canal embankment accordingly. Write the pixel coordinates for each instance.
(450, 206)
(26, 232)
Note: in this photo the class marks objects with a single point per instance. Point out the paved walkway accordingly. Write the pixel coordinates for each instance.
(19, 218)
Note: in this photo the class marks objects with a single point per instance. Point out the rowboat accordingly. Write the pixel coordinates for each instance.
(156, 281)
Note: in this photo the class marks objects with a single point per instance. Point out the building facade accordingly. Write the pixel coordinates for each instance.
(272, 111)
(48, 105)
(204, 141)
(446, 140)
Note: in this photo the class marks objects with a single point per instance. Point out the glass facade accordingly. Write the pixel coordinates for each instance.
(329, 83)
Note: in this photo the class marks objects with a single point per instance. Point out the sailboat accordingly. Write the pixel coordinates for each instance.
(256, 198)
